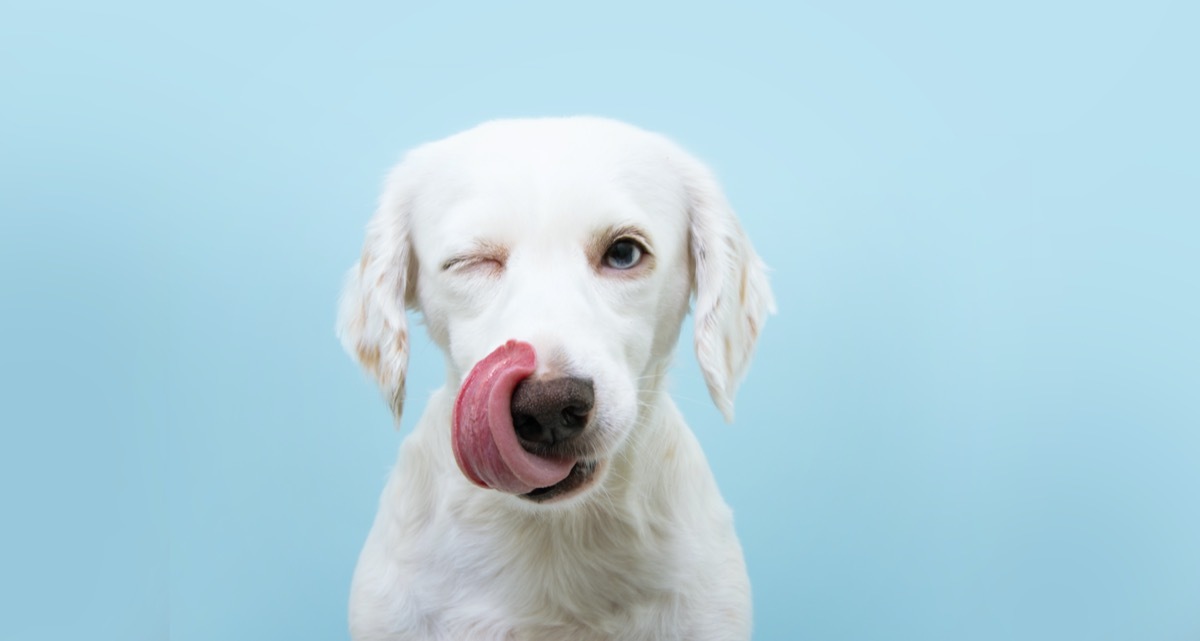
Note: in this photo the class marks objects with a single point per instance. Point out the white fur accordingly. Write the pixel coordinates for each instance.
(648, 550)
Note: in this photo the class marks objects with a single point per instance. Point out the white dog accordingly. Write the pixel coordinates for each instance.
(552, 490)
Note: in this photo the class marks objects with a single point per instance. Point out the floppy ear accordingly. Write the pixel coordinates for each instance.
(733, 298)
(371, 322)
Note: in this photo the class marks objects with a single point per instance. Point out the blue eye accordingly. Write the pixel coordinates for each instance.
(623, 254)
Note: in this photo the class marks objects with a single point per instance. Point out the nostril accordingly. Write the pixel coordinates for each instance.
(529, 428)
(523, 421)
(575, 415)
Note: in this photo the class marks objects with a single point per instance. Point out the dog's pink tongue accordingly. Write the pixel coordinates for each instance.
(485, 443)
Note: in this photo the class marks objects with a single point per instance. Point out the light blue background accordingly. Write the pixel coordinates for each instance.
(976, 417)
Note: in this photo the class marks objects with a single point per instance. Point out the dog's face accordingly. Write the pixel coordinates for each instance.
(582, 238)
(561, 241)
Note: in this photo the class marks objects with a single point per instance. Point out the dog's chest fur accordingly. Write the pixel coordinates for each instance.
(590, 570)
(627, 565)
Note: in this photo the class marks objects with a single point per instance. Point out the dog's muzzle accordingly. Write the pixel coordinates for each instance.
(509, 430)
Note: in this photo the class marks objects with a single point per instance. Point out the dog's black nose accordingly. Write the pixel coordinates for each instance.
(551, 411)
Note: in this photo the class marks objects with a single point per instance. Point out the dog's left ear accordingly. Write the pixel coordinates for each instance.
(733, 297)
(371, 322)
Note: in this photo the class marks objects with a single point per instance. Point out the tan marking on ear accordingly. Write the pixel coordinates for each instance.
(728, 360)
(742, 289)
(369, 357)
(753, 325)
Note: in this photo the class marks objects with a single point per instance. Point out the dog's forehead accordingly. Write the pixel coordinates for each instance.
(556, 177)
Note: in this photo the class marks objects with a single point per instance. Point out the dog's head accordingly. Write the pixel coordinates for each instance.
(553, 261)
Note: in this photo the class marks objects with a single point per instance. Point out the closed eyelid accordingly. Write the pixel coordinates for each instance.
(479, 253)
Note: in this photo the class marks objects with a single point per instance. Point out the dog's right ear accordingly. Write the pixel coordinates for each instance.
(371, 322)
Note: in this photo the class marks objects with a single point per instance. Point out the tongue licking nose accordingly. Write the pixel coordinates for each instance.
(485, 442)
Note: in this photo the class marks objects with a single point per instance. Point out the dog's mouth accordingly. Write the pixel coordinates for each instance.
(581, 476)
(486, 446)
